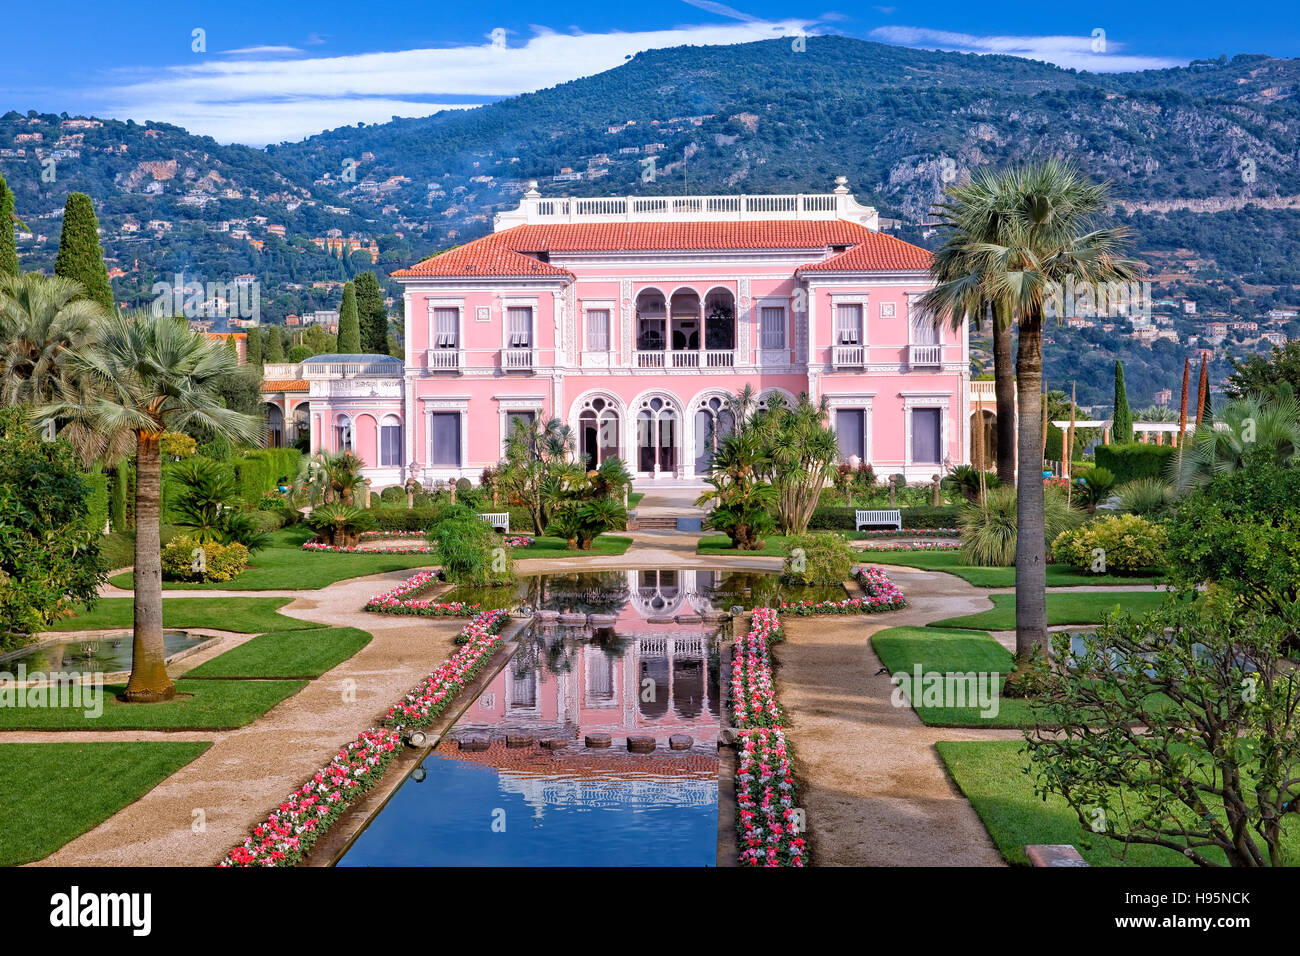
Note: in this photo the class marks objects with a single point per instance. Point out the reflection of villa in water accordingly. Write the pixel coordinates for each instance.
(643, 668)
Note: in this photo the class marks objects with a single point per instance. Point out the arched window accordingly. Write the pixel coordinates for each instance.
(651, 321)
(598, 431)
(719, 320)
(656, 435)
(714, 420)
(342, 434)
(301, 422)
(390, 441)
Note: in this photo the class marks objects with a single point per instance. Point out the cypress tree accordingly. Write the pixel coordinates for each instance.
(254, 346)
(8, 245)
(349, 322)
(1122, 419)
(274, 346)
(80, 256)
(372, 313)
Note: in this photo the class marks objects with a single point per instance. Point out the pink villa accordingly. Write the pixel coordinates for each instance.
(631, 319)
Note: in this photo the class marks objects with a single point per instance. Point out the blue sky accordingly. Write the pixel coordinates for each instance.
(271, 71)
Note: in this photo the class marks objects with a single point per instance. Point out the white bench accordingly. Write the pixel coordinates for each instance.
(879, 517)
(498, 519)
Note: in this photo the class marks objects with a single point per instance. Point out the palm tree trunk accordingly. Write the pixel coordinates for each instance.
(1004, 391)
(1031, 550)
(149, 682)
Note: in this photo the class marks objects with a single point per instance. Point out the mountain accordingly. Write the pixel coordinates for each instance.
(1203, 158)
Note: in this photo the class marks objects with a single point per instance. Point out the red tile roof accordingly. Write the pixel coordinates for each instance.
(503, 253)
(286, 385)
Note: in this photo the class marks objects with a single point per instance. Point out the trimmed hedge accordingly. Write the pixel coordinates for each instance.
(96, 483)
(1135, 460)
(119, 493)
(259, 471)
(840, 518)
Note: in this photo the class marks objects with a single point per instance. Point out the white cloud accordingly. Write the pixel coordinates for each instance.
(1080, 53)
(262, 99)
(260, 51)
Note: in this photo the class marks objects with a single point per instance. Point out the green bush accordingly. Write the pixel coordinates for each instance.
(96, 500)
(1145, 496)
(119, 494)
(393, 495)
(1094, 485)
(470, 552)
(1114, 544)
(945, 516)
(818, 559)
(216, 562)
(1135, 460)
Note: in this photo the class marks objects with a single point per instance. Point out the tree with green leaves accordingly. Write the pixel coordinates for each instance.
(1122, 417)
(1265, 372)
(44, 322)
(80, 255)
(8, 244)
(372, 313)
(152, 376)
(349, 322)
(274, 345)
(255, 349)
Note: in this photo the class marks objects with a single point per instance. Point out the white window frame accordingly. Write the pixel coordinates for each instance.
(609, 329)
(456, 405)
(860, 401)
(519, 303)
(763, 307)
(914, 400)
(401, 440)
(433, 304)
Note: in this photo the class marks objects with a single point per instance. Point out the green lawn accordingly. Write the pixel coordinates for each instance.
(286, 565)
(1058, 575)
(245, 615)
(57, 791)
(1086, 608)
(286, 654)
(547, 547)
(199, 705)
(950, 652)
(989, 774)
(773, 545)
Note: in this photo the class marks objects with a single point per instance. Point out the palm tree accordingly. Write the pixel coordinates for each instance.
(151, 376)
(537, 466)
(1044, 235)
(1245, 429)
(974, 212)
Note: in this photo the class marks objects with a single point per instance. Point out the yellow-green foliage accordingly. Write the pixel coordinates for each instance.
(1113, 544)
(220, 562)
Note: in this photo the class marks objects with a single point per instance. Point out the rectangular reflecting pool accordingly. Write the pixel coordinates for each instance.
(108, 654)
(539, 771)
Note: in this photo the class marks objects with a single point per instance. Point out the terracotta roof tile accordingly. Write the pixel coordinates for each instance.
(503, 253)
(285, 385)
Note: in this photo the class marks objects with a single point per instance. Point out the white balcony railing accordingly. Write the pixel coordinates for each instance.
(443, 360)
(684, 358)
(849, 356)
(517, 360)
(924, 355)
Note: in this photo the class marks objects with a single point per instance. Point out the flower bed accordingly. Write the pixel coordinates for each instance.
(517, 541)
(913, 533)
(299, 821)
(915, 546)
(381, 535)
(334, 549)
(765, 787)
(883, 593)
(480, 639)
(398, 600)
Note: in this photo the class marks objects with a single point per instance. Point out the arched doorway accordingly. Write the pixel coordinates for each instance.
(713, 420)
(598, 425)
(300, 433)
(275, 437)
(658, 431)
(720, 321)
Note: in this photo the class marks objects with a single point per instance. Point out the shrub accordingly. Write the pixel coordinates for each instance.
(1114, 544)
(471, 553)
(49, 556)
(186, 559)
(340, 525)
(1145, 496)
(1135, 460)
(1094, 485)
(989, 530)
(818, 559)
(1241, 533)
(393, 495)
